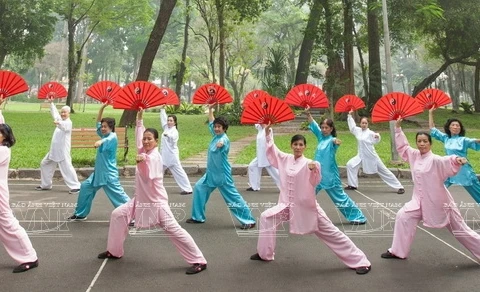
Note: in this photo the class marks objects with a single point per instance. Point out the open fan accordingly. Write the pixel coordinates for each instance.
(52, 90)
(104, 91)
(171, 98)
(304, 95)
(348, 102)
(432, 97)
(11, 83)
(211, 93)
(267, 109)
(394, 105)
(251, 96)
(139, 94)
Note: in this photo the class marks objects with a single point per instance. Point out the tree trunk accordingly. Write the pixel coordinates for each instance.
(362, 66)
(476, 88)
(74, 62)
(304, 58)
(221, 26)
(348, 46)
(166, 8)
(374, 65)
(181, 71)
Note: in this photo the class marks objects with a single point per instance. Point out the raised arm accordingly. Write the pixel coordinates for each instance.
(2, 119)
(100, 112)
(211, 117)
(431, 124)
(351, 122)
(53, 111)
(140, 128)
(163, 118)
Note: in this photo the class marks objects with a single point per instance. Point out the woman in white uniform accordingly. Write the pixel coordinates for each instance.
(258, 163)
(59, 152)
(170, 154)
(367, 157)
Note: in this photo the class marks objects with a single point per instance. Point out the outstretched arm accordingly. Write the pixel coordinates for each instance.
(211, 117)
(100, 112)
(431, 124)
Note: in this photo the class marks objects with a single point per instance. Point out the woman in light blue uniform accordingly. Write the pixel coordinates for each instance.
(331, 183)
(456, 143)
(219, 175)
(105, 173)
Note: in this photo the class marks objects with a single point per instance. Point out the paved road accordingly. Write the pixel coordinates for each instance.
(68, 250)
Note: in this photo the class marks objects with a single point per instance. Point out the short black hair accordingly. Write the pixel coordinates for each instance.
(429, 137)
(221, 121)
(153, 131)
(298, 137)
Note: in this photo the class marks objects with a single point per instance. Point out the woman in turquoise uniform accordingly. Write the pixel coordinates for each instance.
(105, 172)
(219, 175)
(331, 183)
(456, 143)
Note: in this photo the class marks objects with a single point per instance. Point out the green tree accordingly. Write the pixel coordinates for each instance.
(25, 28)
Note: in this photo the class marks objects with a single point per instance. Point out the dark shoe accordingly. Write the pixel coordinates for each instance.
(132, 223)
(358, 222)
(107, 255)
(76, 218)
(256, 257)
(247, 226)
(191, 220)
(389, 255)
(39, 188)
(401, 191)
(363, 270)
(73, 191)
(185, 193)
(350, 188)
(196, 268)
(250, 189)
(25, 267)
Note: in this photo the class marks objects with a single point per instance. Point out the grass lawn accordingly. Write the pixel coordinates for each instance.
(34, 128)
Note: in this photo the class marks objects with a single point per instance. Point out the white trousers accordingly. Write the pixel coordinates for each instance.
(385, 174)
(180, 176)
(47, 169)
(255, 174)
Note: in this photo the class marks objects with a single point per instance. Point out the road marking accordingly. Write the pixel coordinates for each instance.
(97, 275)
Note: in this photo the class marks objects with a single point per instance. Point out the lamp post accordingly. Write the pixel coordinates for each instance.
(89, 62)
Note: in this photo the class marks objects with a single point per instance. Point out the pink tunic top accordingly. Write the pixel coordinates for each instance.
(150, 194)
(429, 171)
(297, 189)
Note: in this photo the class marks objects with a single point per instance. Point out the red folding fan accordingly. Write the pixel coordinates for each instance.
(11, 83)
(139, 94)
(52, 90)
(251, 96)
(394, 105)
(432, 97)
(267, 109)
(211, 93)
(348, 102)
(104, 91)
(171, 98)
(304, 95)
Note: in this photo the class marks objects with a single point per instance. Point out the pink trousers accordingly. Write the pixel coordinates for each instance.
(159, 215)
(15, 239)
(406, 227)
(336, 240)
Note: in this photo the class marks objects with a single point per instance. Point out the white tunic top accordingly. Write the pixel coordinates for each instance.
(365, 141)
(62, 136)
(262, 146)
(169, 147)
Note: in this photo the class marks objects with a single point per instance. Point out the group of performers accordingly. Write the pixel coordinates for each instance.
(298, 178)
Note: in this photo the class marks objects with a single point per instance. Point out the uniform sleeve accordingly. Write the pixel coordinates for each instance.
(372, 139)
(447, 166)
(152, 166)
(54, 112)
(436, 134)
(315, 175)
(274, 155)
(351, 125)
(403, 147)
(472, 144)
(139, 129)
(2, 119)
(313, 126)
(163, 118)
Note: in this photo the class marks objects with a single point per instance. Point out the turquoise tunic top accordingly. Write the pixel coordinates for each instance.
(458, 145)
(325, 154)
(105, 170)
(218, 167)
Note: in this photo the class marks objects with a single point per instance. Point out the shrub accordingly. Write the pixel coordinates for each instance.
(467, 108)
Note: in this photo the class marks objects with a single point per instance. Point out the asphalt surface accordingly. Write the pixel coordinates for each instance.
(68, 250)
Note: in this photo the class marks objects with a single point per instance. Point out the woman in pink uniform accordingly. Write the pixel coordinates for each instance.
(12, 235)
(150, 205)
(297, 204)
(431, 201)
